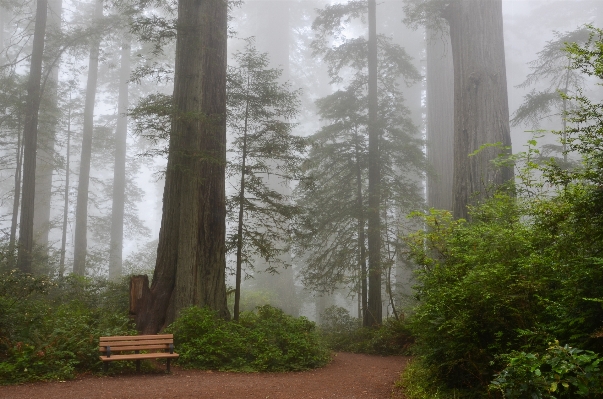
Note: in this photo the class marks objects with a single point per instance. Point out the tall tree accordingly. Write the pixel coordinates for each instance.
(81, 211)
(119, 171)
(30, 138)
(191, 263)
(440, 118)
(45, 162)
(375, 307)
(346, 146)
(481, 107)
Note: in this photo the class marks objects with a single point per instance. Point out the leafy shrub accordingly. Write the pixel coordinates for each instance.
(560, 372)
(265, 340)
(342, 332)
(50, 328)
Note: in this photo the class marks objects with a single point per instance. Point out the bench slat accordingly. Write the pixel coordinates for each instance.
(115, 344)
(135, 348)
(139, 356)
(136, 337)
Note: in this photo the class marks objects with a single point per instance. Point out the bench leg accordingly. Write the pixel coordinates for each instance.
(138, 366)
(168, 364)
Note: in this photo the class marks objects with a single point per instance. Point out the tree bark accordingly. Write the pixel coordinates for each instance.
(66, 195)
(81, 209)
(47, 132)
(440, 119)
(30, 139)
(361, 239)
(191, 262)
(481, 109)
(375, 308)
(119, 171)
(16, 200)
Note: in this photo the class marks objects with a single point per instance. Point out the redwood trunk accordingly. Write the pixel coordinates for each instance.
(440, 120)
(191, 262)
(81, 209)
(481, 110)
(30, 139)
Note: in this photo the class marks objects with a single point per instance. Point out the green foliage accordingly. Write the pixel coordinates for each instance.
(560, 372)
(49, 329)
(343, 332)
(265, 340)
(419, 382)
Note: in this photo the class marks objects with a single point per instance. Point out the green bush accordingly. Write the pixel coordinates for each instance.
(560, 372)
(49, 329)
(342, 332)
(264, 340)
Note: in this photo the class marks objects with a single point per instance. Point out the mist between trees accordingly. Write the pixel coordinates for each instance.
(245, 153)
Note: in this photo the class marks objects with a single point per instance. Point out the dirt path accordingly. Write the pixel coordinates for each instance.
(348, 376)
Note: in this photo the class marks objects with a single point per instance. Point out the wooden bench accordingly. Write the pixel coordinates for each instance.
(129, 347)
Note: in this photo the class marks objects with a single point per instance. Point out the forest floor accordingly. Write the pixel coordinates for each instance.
(348, 376)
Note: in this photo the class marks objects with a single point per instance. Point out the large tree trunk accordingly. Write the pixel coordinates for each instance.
(375, 307)
(361, 238)
(66, 195)
(191, 263)
(47, 133)
(440, 119)
(81, 209)
(30, 139)
(481, 110)
(119, 171)
(16, 199)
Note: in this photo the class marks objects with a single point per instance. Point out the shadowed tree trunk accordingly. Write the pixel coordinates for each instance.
(119, 172)
(481, 110)
(361, 238)
(66, 195)
(81, 210)
(375, 308)
(191, 263)
(16, 199)
(47, 132)
(30, 138)
(440, 119)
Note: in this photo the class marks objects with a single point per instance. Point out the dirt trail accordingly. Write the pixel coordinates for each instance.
(348, 376)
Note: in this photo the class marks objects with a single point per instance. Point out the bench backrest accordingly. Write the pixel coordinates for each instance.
(137, 342)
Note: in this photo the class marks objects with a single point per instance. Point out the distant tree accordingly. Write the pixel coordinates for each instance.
(339, 168)
(30, 138)
(191, 263)
(119, 172)
(259, 114)
(552, 67)
(81, 212)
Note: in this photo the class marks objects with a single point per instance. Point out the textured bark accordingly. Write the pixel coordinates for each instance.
(30, 138)
(375, 307)
(66, 196)
(481, 111)
(361, 241)
(81, 209)
(440, 119)
(119, 170)
(16, 200)
(48, 127)
(191, 263)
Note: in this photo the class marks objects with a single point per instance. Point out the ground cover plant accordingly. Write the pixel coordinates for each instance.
(510, 299)
(263, 340)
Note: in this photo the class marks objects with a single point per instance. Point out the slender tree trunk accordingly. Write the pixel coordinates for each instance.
(30, 138)
(375, 308)
(16, 199)
(191, 262)
(66, 197)
(47, 132)
(440, 119)
(361, 238)
(81, 209)
(481, 110)
(119, 171)
(237, 300)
